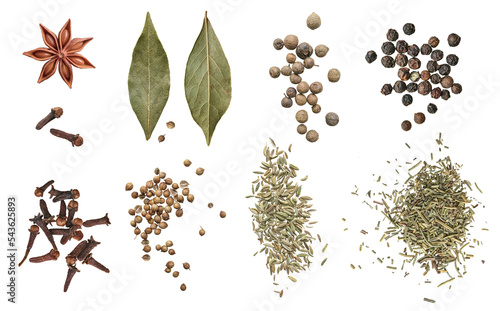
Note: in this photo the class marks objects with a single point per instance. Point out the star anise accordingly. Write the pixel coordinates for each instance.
(62, 51)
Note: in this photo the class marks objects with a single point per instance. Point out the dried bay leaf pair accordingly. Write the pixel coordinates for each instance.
(207, 80)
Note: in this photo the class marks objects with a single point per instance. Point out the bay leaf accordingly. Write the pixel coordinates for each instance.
(207, 81)
(148, 78)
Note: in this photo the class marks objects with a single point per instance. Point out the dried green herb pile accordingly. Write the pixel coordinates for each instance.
(281, 214)
(432, 213)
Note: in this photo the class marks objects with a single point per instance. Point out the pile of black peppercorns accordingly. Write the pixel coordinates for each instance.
(303, 92)
(435, 72)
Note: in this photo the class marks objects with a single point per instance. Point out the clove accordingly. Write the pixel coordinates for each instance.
(72, 194)
(47, 217)
(99, 221)
(40, 190)
(91, 261)
(51, 255)
(72, 257)
(55, 112)
(72, 270)
(76, 140)
(66, 236)
(37, 220)
(61, 218)
(34, 231)
(72, 209)
(90, 246)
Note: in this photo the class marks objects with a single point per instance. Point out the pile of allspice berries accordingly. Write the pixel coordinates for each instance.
(304, 92)
(161, 197)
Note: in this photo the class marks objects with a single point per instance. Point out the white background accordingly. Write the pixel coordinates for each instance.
(225, 275)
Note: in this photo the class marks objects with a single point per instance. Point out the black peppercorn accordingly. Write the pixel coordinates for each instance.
(444, 69)
(425, 75)
(446, 82)
(419, 118)
(413, 50)
(401, 60)
(414, 63)
(278, 44)
(407, 99)
(432, 66)
(453, 40)
(370, 56)
(431, 108)
(452, 59)
(456, 88)
(399, 87)
(433, 41)
(426, 49)
(424, 88)
(402, 46)
(437, 55)
(392, 35)
(436, 93)
(388, 48)
(409, 29)
(445, 94)
(286, 102)
(412, 87)
(404, 73)
(406, 125)
(387, 61)
(435, 78)
(386, 89)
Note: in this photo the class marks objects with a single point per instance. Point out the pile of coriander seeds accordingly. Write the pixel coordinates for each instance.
(437, 72)
(303, 92)
(161, 197)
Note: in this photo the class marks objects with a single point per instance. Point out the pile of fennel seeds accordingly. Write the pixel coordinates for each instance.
(282, 216)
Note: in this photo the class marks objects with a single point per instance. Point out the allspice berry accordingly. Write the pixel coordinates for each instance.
(286, 102)
(333, 75)
(301, 116)
(183, 287)
(274, 72)
(291, 58)
(406, 125)
(187, 163)
(298, 67)
(199, 171)
(419, 118)
(304, 50)
(316, 87)
(332, 119)
(312, 136)
(295, 79)
(312, 99)
(316, 108)
(309, 62)
(291, 42)
(303, 87)
(291, 92)
(278, 44)
(313, 21)
(300, 100)
(202, 232)
(301, 129)
(321, 50)
(286, 71)
(129, 186)
(222, 214)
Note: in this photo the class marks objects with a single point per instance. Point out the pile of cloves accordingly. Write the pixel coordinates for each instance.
(161, 196)
(55, 113)
(69, 228)
(418, 81)
(300, 59)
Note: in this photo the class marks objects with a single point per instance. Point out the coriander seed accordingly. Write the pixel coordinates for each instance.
(175, 274)
(222, 214)
(129, 186)
(170, 264)
(158, 247)
(147, 248)
(164, 248)
(301, 116)
(183, 287)
(161, 138)
(210, 205)
(187, 163)
(131, 212)
(186, 265)
(301, 129)
(169, 243)
(321, 50)
(202, 232)
(313, 21)
(170, 124)
(312, 136)
(333, 75)
(146, 257)
(332, 119)
(134, 195)
(291, 42)
(199, 171)
(278, 44)
(171, 252)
